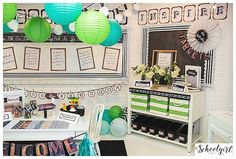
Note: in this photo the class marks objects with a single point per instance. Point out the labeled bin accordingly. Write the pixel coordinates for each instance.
(173, 131)
(159, 104)
(145, 124)
(136, 123)
(183, 134)
(139, 101)
(153, 127)
(162, 128)
(179, 108)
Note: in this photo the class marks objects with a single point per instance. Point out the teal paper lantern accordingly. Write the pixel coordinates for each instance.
(92, 27)
(105, 128)
(115, 112)
(63, 13)
(118, 127)
(67, 29)
(6, 29)
(114, 35)
(9, 12)
(106, 116)
(37, 29)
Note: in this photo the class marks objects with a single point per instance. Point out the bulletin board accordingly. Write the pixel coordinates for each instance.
(62, 57)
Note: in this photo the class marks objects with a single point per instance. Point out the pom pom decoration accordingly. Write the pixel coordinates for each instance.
(9, 12)
(115, 112)
(63, 13)
(92, 27)
(106, 116)
(105, 128)
(204, 35)
(114, 35)
(37, 29)
(118, 127)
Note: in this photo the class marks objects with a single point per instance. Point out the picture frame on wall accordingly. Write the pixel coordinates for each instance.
(111, 59)
(220, 11)
(164, 58)
(58, 59)
(21, 16)
(204, 11)
(153, 16)
(85, 58)
(32, 58)
(142, 17)
(189, 13)
(9, 59)
(33, 13)
(176, 14)
(164, 16)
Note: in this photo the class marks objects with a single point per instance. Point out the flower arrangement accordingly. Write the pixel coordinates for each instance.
(156, 72)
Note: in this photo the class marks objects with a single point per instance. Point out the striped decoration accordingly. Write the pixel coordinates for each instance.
(159, 104)
(134, 115)
(209, 66)
(179, 108)
(139, 101)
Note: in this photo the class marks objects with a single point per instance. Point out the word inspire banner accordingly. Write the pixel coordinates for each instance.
(52, 148)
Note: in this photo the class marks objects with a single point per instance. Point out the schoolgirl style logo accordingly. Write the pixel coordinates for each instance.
(206, 149)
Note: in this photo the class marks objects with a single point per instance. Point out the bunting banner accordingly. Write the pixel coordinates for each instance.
(62, 95)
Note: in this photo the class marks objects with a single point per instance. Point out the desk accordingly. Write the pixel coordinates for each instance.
(45, 134)
(221, 124)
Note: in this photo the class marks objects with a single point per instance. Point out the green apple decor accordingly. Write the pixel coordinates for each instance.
(92, 27)
(9, 12)
(37, 29)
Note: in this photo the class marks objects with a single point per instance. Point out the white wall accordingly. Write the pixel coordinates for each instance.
(220, 96)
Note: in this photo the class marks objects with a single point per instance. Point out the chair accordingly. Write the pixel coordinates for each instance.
(95, 124)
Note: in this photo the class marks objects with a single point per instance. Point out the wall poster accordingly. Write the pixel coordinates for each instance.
(111, 59)
(9, 59)
(85, 58)
(32, 58)
(58, 59)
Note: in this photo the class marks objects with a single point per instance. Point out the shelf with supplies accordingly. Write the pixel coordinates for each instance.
(183, 109)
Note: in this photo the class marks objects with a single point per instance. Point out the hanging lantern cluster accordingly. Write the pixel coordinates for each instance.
(90, 26)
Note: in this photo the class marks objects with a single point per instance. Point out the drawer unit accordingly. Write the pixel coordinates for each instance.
(159, 104)
(139, 101)
(179, 108)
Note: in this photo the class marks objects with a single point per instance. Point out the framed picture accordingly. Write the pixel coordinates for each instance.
(32, 58)
(142, 17)
(189, 13)
(21, 16)
(220, 11)
(33, 13)
(44, 15)
(111, 59)
(176, 14)
(58, 59)
(204, 11)
(164, 15)
(9, 59)
(85, 58)
(164, 58)
(152, 16)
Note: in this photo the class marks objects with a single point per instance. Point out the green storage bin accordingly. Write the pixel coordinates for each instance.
(179, 108)
(139, 101)
(159, 104)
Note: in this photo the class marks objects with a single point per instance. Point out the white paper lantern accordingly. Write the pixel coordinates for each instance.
(104, 10)
(13, 25)
(58, 30)
(72, 26)
(119, 17)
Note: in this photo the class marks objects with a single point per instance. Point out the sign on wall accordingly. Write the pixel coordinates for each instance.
(111, 59)
(85, 58)
(58, 59)
(9, 59)
(32, 58)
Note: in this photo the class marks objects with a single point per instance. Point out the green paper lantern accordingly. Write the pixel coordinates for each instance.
(92, 27)
(37, 29)
(9, 12)
(115, 112)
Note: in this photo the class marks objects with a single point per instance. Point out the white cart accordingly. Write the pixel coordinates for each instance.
(194, 119)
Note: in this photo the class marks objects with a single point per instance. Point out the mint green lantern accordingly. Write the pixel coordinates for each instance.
(63, 13)
(114, 35)
(9, 12)
(37, 29)
(92, 27)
